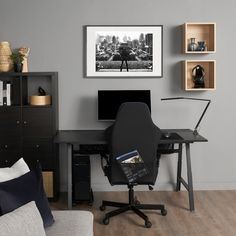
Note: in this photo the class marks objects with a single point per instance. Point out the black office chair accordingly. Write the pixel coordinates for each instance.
(132, 130)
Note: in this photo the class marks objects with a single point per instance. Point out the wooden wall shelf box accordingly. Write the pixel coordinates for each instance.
(210, 74)
(201, 32)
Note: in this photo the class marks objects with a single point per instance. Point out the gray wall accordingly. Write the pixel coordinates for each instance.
(53, 29)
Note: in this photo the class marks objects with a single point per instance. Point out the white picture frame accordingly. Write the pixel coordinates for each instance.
(124, 51)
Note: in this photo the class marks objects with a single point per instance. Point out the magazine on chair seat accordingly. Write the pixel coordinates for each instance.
(132, 165)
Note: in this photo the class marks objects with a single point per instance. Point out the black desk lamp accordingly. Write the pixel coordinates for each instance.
(195, 132)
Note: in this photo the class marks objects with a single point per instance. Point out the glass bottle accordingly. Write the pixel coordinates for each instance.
(192, 45)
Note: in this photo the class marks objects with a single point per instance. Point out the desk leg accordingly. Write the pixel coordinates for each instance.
(179, 168)
(69, 176)
(190, 180)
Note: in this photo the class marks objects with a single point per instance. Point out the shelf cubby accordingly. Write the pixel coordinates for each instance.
(201, 32)
(32, 83)
(210, 74)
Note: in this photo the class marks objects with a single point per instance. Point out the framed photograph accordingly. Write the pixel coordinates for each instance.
(124, 51)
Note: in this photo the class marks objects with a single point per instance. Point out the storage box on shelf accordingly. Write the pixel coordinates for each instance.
(27, 131)
(200, 32)
(209, 77)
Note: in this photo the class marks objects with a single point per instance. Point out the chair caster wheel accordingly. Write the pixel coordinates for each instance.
(102, 208)
(164, 212)
(105, 221)
(148, 224)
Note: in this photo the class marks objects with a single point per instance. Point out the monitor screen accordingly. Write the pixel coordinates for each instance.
(109, 101)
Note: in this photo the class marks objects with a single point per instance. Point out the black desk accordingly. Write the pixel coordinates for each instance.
(79, 137)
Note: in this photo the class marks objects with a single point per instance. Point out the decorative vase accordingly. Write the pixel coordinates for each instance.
(18, 67)
(5, 61)
(201, 46)
(192, 45)
(198, 74)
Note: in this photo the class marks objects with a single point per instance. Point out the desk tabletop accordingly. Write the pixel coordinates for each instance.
(98, 136)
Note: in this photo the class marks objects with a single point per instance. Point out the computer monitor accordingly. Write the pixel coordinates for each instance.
(109, 101)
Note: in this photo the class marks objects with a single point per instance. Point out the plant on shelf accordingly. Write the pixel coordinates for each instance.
(17, 59)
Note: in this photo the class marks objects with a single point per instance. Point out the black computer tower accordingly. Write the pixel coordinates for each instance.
(81, 179)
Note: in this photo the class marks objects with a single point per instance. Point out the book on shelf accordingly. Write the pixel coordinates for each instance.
(5, 93)
(8, 94)
(132, 165)
(1, 93)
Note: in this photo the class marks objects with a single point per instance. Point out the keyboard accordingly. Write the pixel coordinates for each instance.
(90, 148)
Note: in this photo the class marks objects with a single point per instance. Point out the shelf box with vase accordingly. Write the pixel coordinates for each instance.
(199, 38)
(208, 75)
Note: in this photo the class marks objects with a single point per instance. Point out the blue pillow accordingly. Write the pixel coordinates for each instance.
(19, 191)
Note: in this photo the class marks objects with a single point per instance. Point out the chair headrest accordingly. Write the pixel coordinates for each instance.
(135, 108)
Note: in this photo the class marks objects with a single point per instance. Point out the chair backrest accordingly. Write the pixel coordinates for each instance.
(134, 130)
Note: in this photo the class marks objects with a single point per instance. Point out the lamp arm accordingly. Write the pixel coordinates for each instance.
(199, 121)
(195, 132)
(186, 98)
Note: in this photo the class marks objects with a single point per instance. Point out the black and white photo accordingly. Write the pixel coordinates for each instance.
(124, 51)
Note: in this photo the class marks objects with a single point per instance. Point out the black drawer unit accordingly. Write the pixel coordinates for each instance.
(37, 146)
(27, 130)
(39, 151)
(37, 122)
(10, 150)
(46, 162)
(10, 121)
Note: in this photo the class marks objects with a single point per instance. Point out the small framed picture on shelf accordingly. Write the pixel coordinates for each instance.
(124, 51)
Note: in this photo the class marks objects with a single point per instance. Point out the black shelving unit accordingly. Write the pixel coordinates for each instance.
(27, 131)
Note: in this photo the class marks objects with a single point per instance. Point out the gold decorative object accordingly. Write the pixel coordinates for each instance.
(5, 67)
(25, 51)
(36, 100)
(48, 183)
(5, 61)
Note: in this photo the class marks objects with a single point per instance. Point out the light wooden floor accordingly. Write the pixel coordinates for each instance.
(215, 214)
